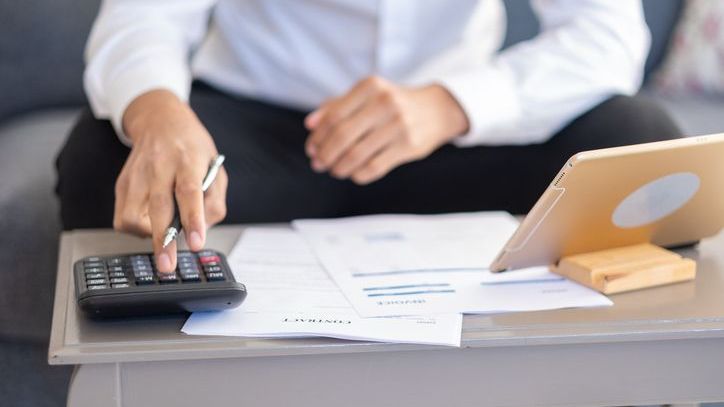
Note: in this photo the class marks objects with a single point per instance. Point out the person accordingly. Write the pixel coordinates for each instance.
(337, 107)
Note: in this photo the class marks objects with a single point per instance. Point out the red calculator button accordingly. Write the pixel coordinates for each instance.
(209, 259)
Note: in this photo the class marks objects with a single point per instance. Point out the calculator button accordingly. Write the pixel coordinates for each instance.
(212, 269)
(141, 265)
(94, 270)
(187, 265)
(188, 272)
(216, 276)
(167, 278)
(91, 276)
(121, 285)
(95, 281)
(97, 287)
(143, 273)
(92, 260)
(114, 269)
(116, 274)
(95, 264)
(119, 280)
(143, 280)
(190, 277)
(115, 261)
(209, 259)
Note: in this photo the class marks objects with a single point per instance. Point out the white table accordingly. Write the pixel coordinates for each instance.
(662, 345)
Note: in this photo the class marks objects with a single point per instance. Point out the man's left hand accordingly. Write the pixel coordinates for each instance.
(378, 126)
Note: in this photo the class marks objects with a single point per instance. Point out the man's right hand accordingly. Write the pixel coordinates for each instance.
(170, 156)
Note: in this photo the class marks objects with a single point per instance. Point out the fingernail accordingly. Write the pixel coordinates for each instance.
(311, 119)
(164, 262)
(317, 166)
(195, 240)
(340, 174)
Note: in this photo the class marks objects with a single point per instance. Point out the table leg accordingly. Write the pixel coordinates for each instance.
(95, 385)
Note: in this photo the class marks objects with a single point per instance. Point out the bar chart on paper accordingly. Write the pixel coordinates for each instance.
(291, 295)
(389, 265)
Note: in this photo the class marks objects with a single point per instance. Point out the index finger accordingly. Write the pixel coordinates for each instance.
(160, 210)
(190, 200)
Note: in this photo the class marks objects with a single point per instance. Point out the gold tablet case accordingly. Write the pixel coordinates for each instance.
(574, 215)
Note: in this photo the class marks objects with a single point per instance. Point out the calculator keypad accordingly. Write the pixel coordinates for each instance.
(140, 270)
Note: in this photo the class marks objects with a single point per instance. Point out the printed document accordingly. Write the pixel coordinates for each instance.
(290, 295)
(394, 265)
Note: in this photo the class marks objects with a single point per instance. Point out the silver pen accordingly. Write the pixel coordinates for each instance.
(175, 228)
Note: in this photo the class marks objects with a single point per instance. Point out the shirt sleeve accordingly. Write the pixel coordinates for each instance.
(139, 45)
(587, 51)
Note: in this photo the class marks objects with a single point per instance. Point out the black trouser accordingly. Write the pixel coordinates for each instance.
(270, 179)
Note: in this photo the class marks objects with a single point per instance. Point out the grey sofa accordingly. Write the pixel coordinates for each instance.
(41, 44)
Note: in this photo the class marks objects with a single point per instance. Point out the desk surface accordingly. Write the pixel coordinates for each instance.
(687, 310)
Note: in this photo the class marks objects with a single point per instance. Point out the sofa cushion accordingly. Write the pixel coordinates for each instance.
(41, 53)
(695, 115)
(694, 63)
(29, 222)
(26, 380)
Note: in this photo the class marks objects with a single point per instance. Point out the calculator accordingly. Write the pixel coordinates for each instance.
(130, 285)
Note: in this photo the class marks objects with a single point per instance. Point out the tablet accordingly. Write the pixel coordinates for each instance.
(668, 193)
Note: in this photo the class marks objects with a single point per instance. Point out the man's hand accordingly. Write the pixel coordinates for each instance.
(170, 156)
(378, 126)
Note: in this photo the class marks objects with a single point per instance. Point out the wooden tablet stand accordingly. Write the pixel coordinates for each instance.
(627, 268)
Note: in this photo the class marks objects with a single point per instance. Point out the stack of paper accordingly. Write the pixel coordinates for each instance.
(290, 295)
(418, 265)
(391, 278)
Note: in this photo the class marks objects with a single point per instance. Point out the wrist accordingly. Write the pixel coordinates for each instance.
(452, 115)
(152, 105)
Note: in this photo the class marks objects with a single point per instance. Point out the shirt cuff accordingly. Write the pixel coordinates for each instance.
(489, 99)
(140, 77)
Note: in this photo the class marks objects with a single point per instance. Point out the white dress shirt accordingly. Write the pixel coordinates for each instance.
(298, 53)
